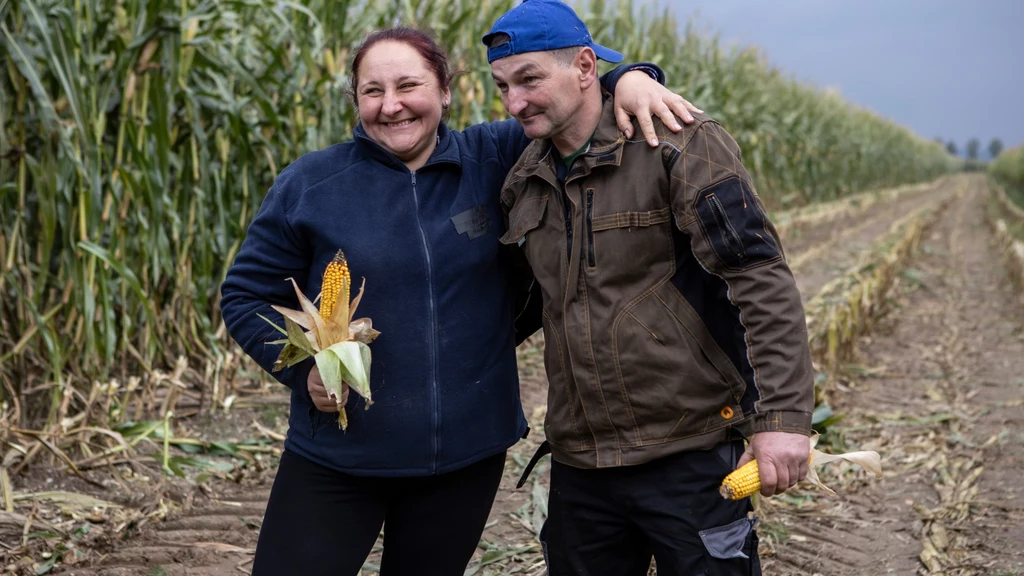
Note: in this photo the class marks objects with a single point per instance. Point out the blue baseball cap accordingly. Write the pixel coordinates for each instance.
(541, 25)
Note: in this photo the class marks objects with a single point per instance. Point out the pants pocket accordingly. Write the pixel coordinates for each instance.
(731, 550)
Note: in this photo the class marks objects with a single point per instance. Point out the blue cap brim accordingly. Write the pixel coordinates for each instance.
(606, 54)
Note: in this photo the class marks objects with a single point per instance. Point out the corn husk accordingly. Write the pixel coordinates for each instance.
(339, 345)
(866, 459)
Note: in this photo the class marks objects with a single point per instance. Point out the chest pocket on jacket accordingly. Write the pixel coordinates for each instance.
(595, 225)
(733, 223)
(525, 216)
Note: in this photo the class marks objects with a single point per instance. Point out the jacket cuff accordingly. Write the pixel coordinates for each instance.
(783, 421)
(611, 78)
(653, 70)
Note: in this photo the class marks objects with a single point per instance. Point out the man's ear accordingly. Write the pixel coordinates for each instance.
(586, 62)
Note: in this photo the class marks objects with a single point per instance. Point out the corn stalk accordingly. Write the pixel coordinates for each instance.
(1006, 219)
(138, 139)
(847, 307)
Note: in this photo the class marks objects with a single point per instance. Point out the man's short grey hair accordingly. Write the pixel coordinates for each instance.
(564, 56)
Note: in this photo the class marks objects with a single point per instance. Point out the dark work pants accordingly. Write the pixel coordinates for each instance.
(610, 521)
(323, 522)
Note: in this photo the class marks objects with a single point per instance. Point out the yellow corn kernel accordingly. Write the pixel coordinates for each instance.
(742, 482)
(337, 282)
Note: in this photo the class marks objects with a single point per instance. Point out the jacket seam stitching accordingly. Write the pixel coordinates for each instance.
(615, 348)
(561, 361)
(597, 374)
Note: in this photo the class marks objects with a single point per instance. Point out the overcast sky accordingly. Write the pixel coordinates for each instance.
(945, 68)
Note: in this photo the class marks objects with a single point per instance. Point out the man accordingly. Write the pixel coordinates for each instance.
(672, 324)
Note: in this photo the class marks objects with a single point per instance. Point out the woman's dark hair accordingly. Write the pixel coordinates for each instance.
(422, 42)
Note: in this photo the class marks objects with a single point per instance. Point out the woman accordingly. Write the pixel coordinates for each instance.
(414, 206)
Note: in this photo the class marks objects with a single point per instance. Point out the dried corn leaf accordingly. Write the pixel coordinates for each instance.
(68, 499)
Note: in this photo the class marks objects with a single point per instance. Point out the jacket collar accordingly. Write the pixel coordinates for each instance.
(605, 150)
(445, 152)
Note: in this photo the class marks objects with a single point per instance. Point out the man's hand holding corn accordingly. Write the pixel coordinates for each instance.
(782, 459)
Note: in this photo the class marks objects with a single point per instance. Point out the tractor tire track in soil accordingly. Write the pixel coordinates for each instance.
(215, 535)
(939, 397)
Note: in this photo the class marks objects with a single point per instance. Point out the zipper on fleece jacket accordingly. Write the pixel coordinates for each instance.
(435, 437)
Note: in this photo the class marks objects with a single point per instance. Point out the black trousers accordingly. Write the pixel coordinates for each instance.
(611, 521)
(322, 522)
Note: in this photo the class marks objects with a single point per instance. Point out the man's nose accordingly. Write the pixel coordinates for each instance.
(516, 102)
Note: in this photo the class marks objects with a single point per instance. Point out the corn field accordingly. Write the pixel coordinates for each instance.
(1008, 170)
(137, 140)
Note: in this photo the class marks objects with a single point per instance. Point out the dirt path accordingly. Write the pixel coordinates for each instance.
(937, 390)
(807, 237)
(836, 246)
(941, 401)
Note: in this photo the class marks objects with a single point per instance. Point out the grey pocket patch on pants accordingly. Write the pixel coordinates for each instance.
(726, 542)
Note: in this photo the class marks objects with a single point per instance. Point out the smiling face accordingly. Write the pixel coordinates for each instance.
(539, 92)
(400, 101)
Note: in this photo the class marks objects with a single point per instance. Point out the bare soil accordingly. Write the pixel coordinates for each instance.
(938, 393)
(821, 253)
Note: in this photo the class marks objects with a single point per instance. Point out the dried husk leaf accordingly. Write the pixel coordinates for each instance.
(318, 328)
(355, 302)
(334, 332)
(297, 316)
(361, 330)
(867, 459)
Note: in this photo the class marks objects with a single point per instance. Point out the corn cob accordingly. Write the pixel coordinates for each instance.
(337, 280)
(338, 344)
(741, 482)
(744, 481)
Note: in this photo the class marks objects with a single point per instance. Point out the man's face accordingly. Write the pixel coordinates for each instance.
(539, 92)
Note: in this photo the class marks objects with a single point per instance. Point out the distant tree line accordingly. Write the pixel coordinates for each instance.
(973, 146)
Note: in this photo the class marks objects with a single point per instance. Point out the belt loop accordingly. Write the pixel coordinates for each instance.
(543, 450)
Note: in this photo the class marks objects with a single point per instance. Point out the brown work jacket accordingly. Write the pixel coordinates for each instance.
(670, 315)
